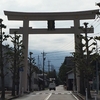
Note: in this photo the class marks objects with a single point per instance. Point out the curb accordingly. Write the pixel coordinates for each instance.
(81, 97)
(75, 96)
(13, 98)
(17, 96)
(78, 96)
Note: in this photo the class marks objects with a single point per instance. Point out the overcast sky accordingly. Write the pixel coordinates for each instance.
(49, 43)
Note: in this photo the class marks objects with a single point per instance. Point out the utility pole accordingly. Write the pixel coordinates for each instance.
(38, 65)
(43, 68)
(87, 51)
(87, 60)
(30, 73)
(86, 41)
(48, 66)
(97, 73)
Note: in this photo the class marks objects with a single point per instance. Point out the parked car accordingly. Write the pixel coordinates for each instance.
(52, 86)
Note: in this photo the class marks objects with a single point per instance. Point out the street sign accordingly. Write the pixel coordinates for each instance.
(21, 69)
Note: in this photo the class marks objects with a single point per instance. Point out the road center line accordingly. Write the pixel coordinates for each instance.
(48, 96)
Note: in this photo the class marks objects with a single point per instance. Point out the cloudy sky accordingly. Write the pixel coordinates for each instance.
(56, 46)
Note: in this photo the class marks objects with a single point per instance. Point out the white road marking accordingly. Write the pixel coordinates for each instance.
(48, 96)
(40, 93)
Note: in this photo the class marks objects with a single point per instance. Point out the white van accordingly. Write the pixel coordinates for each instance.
(52, 86)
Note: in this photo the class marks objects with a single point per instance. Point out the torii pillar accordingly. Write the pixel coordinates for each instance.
(25, 43)
(50, 18)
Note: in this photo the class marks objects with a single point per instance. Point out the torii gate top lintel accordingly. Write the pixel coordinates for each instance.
(90, 14)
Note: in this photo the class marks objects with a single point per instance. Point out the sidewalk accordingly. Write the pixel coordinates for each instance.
(93, 94)
(98, 97)
(8, 95)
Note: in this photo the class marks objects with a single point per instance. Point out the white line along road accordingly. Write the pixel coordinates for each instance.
(48, 96)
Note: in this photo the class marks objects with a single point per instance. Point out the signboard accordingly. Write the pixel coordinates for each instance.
(21, 69)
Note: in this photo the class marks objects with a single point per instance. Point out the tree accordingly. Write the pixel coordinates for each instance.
(3, 38)
(83, 61)
(32, 68)
(15, 57)
(79, 63)
(62, 72)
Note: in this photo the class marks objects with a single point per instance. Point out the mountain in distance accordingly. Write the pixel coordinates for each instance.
(54, 59)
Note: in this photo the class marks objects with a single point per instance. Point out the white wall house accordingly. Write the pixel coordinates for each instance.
(70, 80)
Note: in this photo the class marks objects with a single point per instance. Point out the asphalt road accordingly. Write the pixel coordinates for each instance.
(59, 94)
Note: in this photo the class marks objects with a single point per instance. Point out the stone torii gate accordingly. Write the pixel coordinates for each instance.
(50, 17)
